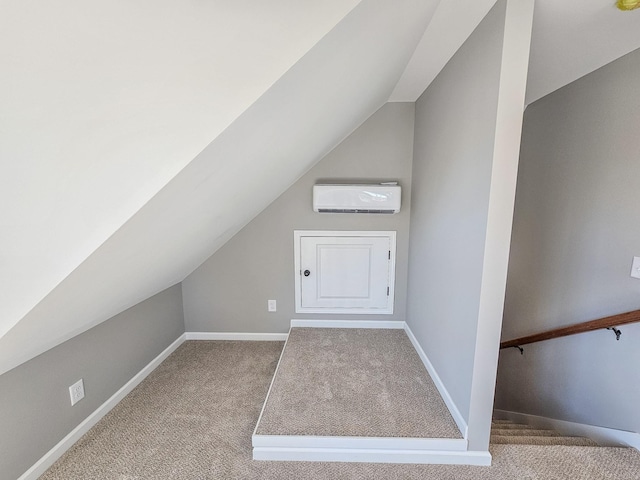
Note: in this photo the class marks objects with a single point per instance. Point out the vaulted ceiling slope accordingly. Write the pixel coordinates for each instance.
(572, 39)
(451, 25)
(569, 40)
(324, 96)
(102, 103)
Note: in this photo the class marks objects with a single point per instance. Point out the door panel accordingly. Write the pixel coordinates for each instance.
(344, 272)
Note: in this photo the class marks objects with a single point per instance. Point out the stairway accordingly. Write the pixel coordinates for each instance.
(536, 453)
(510, 433)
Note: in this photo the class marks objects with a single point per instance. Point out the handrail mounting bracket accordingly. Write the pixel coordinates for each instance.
(616, 331)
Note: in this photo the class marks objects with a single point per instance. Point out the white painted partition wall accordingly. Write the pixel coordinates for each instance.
(504, 173)
(467, 138)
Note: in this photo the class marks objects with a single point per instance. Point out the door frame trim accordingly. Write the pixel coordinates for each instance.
(298, 234)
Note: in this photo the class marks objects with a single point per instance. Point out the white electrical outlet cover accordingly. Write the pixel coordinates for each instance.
(76, 392)
(271, 305)
(635, 268)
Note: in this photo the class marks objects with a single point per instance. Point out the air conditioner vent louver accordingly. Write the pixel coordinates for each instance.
(376, 199)
(351, 210)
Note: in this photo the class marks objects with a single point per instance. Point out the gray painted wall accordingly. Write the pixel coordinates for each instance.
(576, 229)
(229, 292)
(454, 141)
(35, 410)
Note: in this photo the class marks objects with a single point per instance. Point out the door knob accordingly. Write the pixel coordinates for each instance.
(307, 273)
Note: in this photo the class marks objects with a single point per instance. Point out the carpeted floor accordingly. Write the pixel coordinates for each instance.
(354, 382)
(192, 418)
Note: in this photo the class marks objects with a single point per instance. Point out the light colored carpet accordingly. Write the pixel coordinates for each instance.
(517, 434)
(354, 382)
(531, 432)
(522, 440)
(192, 418)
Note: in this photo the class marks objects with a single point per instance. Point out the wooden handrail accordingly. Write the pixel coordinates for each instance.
(606, 322)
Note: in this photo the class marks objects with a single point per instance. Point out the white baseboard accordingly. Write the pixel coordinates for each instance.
(385, 324)
(444, 393)
(273, 379)
(263, 337)
(360, 443)
(63, 445)
(601, 435)
(371, 456)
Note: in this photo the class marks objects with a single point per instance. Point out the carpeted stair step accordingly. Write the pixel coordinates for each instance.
(559, 462)
(525, 432)
(540, 440)
(505, 432)
(513, 426)
(502, 422)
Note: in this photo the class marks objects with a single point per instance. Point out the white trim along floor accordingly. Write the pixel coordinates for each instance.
(343, 449)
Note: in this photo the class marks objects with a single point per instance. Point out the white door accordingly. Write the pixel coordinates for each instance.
(345, 273)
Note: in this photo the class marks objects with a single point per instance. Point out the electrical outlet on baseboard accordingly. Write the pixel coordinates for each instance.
(271, 305)
(76, 392)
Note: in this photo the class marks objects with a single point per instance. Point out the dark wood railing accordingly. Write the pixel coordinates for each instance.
(607, 322)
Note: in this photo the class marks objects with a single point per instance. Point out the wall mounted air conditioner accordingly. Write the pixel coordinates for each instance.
(383, 198)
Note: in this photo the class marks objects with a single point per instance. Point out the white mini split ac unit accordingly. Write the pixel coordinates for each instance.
(356, 198)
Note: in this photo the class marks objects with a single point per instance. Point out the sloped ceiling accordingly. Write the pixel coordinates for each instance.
(320, 99)
(102, 103)
(452, 23)
(569, 40)
(572, 39)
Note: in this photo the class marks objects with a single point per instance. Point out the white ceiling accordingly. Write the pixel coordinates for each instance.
(572, 39)
(452, 23)
(102, 103)
(324, 96)
(105, 108)
(569, 40)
